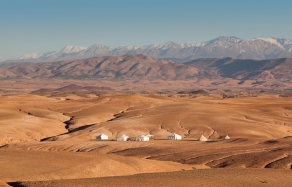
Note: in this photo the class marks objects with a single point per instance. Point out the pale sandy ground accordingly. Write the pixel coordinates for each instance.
(209, 177)
(40, 165)
(260, 129)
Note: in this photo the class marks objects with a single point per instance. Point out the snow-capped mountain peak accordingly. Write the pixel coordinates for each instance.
(164, 46)
(185, 45)
(271, 40)
(221, 47)
(127, 47)
(224, 41)
(30, 56)
(287, 44)
(72, 49)
(96, 46)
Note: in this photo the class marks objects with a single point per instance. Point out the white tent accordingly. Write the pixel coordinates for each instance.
(123, 138)
(151, 137)
(142, 138)
(102, 137)
(202, 138)
(174, 136)
(226, 137)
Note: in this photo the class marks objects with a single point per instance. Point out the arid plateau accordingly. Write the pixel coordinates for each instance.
(50, 140)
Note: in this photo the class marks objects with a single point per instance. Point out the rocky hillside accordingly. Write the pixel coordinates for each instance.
(149, 68)
(246, 69)
(121, 67)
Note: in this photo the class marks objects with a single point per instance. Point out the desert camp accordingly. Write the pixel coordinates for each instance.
(56, 144)
(146, 93)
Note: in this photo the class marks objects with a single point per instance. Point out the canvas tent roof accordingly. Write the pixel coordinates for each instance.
(203, 138)
(226, 137)
(174, 134)
(142, 138)
(123, 137)
(102, 136)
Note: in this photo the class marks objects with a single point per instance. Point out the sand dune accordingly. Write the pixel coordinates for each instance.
(50, 165)
(21, 119)
(161, 116)
(214, 177)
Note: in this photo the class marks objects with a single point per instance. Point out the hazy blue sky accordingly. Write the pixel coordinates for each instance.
(28, 26)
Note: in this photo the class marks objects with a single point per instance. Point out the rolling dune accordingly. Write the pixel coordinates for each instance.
(53, 138)
(210, 177)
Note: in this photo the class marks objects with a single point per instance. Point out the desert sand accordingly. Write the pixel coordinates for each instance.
(209, 177)
(50, 141)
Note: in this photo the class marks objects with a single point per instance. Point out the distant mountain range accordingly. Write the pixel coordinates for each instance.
(244, 69)
(109, 67)
(138, 67)
(221, 47)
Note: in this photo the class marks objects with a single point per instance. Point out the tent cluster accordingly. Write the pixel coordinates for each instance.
(148, 137)
(204, 139)
(124, 137)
